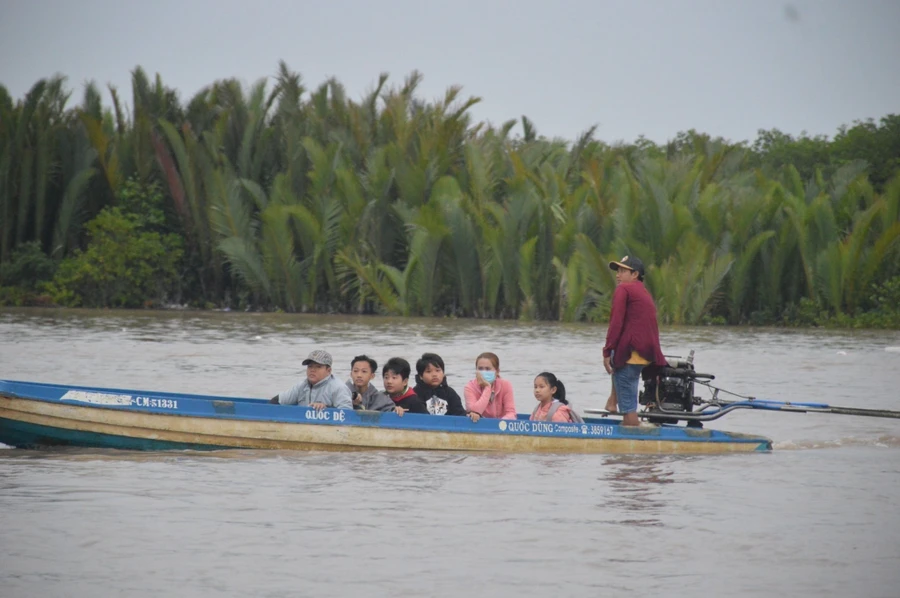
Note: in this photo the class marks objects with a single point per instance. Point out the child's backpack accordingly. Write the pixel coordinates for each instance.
(554, 406)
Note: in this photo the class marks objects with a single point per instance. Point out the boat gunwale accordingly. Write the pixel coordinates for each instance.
(224, 409)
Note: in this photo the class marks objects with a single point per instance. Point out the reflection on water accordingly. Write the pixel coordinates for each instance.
(793, 522)
(635, 481)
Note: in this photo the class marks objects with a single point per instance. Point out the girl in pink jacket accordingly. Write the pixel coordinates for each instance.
(489, 395)
(552, 404)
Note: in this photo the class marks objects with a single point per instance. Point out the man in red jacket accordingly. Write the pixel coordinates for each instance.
(632, 340)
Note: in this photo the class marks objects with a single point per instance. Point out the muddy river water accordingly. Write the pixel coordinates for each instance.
(816, 517)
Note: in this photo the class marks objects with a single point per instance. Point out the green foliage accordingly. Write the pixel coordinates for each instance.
(886, 313)
(122, 265)
(301, 199)
(884, 297)
(876, 145)
(27, 267)
(805, 312)
(22, 278)
(144, 204)
(15, 296)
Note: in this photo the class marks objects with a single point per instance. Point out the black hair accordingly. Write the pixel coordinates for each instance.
(428, 359)
(372, 363)
(560, 394)
(397, 365)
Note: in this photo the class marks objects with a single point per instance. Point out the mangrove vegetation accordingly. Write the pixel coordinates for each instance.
(279, 197)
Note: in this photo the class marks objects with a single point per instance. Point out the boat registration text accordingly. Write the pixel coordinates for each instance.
(117, 400)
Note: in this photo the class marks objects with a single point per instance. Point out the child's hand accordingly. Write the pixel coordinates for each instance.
(400, 410)
(318, 406)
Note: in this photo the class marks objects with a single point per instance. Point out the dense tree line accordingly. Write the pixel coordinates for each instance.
(306, 200)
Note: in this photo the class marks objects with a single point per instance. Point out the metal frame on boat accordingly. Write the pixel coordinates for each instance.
(34, 414)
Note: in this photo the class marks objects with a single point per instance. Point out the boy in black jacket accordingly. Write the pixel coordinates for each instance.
(395, 374)
(431, 387)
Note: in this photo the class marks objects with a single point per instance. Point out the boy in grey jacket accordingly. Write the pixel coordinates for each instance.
(365, 395)
(320, 389)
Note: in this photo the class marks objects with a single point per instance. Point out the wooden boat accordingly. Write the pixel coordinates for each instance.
(33, 414)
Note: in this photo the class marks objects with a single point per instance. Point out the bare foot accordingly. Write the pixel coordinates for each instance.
(612, 403)
(631, 419)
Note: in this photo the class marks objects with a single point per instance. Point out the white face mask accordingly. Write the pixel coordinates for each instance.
(488, 375)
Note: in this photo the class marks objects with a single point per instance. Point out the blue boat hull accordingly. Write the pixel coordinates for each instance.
(33, 414)
(34, 436)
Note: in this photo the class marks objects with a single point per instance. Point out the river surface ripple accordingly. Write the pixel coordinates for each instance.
(816, 517)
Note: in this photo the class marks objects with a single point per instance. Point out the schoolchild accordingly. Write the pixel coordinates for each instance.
(432, 387)
(552, 404)
(395, 374)
(489, 395)
(365, 395)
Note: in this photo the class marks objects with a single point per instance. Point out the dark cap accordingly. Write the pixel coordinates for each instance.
(318, 356)
(629, 263)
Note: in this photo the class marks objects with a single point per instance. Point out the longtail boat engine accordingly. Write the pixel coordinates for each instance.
(670, 390)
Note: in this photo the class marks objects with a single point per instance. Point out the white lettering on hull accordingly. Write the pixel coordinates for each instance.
(555, 428)
(102, 398)
(314, 415)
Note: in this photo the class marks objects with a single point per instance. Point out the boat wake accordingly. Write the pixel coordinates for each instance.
(889, 442)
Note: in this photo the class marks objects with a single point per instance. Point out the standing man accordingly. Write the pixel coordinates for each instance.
(632, 340)
(320, 389)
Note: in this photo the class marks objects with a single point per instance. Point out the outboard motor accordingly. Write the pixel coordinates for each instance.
(671, 389)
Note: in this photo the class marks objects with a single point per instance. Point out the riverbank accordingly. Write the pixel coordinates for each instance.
(807, 315)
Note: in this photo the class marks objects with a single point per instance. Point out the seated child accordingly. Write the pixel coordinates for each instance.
(395, 374)
(365, 395)
(552, 403)
(431, 387)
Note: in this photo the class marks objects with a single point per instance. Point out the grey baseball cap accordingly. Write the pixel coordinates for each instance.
(318, 356)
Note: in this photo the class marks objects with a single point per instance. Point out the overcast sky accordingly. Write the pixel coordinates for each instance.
(632, 67)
